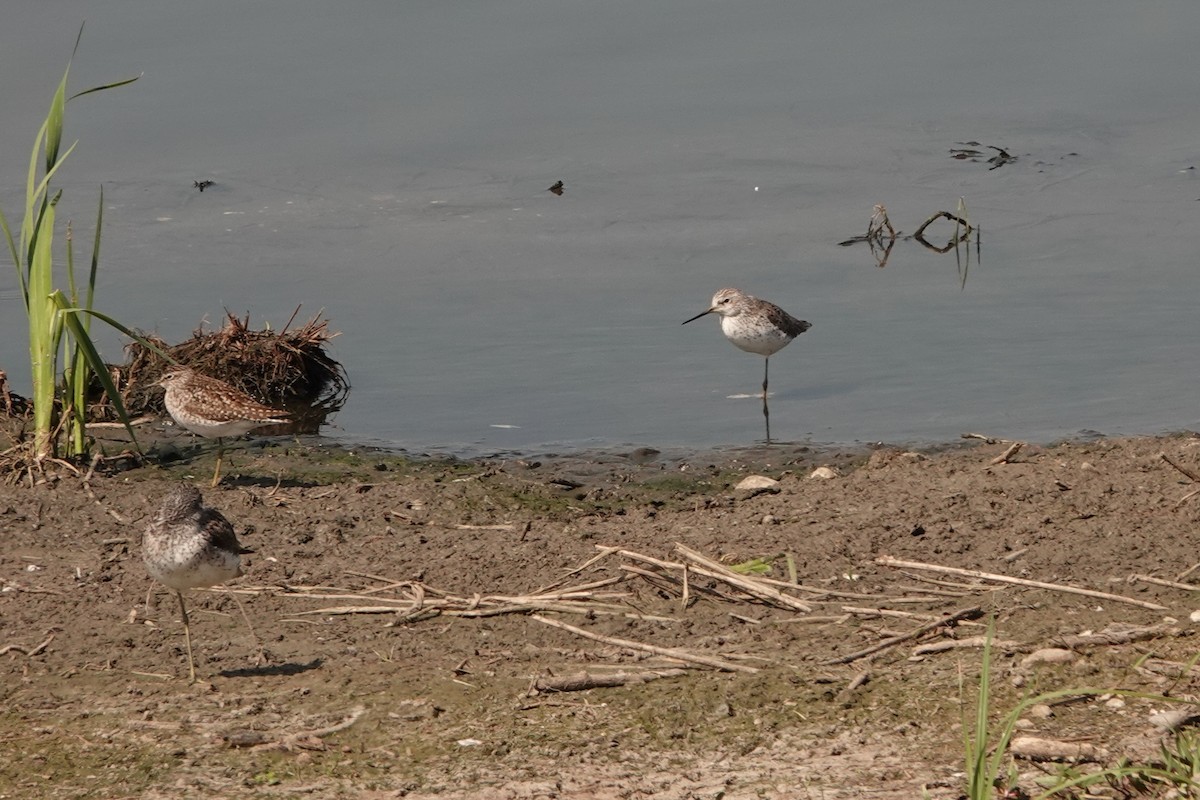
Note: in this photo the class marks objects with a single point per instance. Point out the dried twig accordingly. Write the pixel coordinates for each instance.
(958, 644)
(311, 739)
(670, 652)
(587, 680)
(857, 681)
(16, 648)
(887, 612)
(1191, 587)
(1007, 454)
(1037, 749)
(706, 566)
(888, 561)
(1192, 476)
(1111, 637)
(967, 613)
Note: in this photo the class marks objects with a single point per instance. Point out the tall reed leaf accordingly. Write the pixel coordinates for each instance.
(53, 319)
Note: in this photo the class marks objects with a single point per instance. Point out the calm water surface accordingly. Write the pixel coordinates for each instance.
(388, 163)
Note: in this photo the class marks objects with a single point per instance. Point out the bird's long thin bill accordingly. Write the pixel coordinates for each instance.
(698, 316)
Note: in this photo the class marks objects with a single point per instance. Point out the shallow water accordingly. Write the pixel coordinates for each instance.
(388, 163)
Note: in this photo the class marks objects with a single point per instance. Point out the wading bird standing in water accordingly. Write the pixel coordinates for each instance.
(755, 326)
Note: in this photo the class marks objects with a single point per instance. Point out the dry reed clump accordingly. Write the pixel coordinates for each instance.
(287, 369)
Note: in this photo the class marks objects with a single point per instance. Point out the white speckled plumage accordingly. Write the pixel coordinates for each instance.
(187, 546)
(754, 325)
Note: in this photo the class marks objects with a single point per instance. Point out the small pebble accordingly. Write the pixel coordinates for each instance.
(1048, 655)
(1041, 711)
(756, 482)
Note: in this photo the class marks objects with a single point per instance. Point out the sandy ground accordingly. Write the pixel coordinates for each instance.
(408, 611)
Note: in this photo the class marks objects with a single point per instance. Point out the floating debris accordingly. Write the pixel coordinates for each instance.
(968, 151)
(557, 188)
(202, 185)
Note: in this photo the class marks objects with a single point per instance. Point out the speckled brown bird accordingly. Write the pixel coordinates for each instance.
(213, 409)
(187, 546)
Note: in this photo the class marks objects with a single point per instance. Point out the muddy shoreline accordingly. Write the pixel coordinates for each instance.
(367, 695)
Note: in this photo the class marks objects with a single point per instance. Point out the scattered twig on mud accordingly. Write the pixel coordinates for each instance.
(1007, 454)
(586, 680)
(87, 487)
(811, 620)
(92, 469)
(958, 644)
(964, 587)
(418, 601)
(605, 552)
(669, 652)
(755, 588)
(887, 612)
(1033, 748)
(370, 576)
(16, 648)
(1186, 497)
(967, 613)
(858, 680)
(936, 593)
(888, 561)
(1014, 555)
(1187, 572)
(1191, 587)
(1113, 637)
(9, 586)
(507, 526)
(1172, 669)
(1192, 476)
(311, 739)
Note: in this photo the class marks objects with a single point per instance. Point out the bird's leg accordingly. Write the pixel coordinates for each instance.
(766, 369)
(261, 660)
(187, 637)
(767, 418)
(220, 451)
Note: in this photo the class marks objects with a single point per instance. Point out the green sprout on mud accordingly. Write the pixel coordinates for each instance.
(59, 323)
(762, 565)
(988, 774)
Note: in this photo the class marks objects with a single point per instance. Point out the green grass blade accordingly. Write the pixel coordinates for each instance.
(33, 200)
(980, 772)
(75, 374)
(44, 334)
(12, 249)
(54, 120)
(142, 340)
(91, 287)
(70, 317)
(106, 86)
